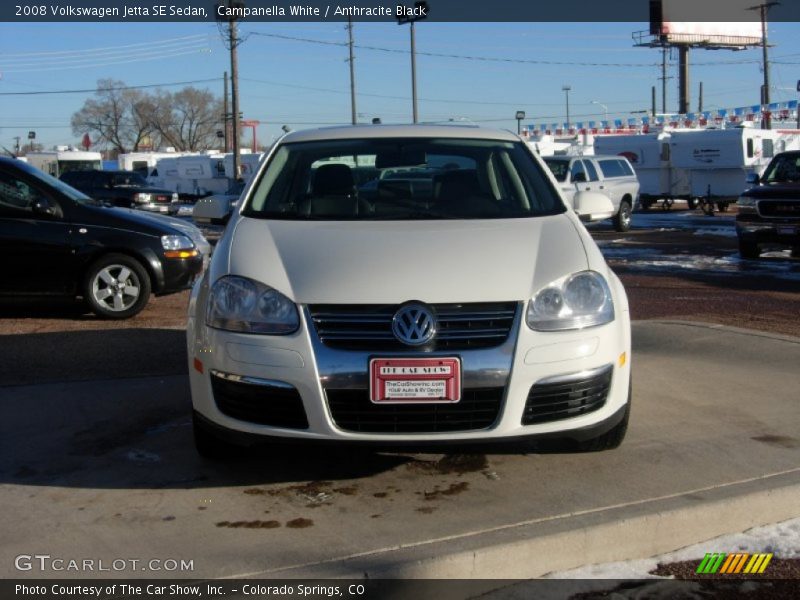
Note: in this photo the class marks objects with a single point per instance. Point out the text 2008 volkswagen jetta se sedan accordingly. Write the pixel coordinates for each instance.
(408, 284)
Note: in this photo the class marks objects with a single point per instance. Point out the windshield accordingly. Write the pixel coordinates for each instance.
(68, 191)
(784, 168)
(409, 178)
(560, 168)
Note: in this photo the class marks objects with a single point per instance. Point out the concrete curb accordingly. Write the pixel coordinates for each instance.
(729, 328)
(532, 549)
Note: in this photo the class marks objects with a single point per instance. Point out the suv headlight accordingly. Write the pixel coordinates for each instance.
(573, 302)
(142, 198)
(241, 304)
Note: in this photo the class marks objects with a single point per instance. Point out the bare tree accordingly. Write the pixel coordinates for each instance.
(116, 115)
(188, 119)
(127, 118)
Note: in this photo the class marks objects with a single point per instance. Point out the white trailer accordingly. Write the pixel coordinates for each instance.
(716, 162)
(62, 159)
(650, 156)
(191, 176)
(143, 161)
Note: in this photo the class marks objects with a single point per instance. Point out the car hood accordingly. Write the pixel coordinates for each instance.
(775, 191)
(388, 262)
(141, 222)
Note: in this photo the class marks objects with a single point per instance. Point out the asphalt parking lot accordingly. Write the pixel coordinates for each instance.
(96, 458)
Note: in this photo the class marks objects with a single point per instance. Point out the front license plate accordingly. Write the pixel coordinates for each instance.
(786, 230)
(414, 380)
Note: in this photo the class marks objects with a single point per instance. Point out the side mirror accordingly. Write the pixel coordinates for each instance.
(45, 208)
(591, 206)
(752, 178)
(579, 178)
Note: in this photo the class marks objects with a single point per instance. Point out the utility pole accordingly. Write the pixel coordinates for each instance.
(225, 112)
(352, 72)
(234, 42)
(233, 9)
(683, 83)
(765, 97)
(664, 81)
(700, 99)
(566, 89)
(653, 101)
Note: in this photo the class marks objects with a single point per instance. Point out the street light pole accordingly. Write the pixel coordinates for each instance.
(420, 12)
(566, 89)
(519, 116)
(605, 108)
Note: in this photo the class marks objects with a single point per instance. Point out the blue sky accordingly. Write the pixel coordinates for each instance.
(303, 84)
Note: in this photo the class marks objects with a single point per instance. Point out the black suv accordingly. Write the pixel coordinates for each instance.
(122, 188)
(769, 213)
(57, 242)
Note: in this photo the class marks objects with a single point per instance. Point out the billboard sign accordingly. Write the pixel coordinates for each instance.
(739, 25)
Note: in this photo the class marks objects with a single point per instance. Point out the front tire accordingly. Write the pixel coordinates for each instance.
(209, 445)
(748, 250)
(116, 287)
(622, 220)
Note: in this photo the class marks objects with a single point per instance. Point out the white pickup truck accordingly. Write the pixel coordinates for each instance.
(609, 175)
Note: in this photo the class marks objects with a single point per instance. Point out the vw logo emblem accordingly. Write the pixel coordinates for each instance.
(414, 324)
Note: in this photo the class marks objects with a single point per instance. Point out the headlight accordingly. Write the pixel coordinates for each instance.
(142, 198)
(241, 304)
(746, 201)
(573, 302)
(176, 242)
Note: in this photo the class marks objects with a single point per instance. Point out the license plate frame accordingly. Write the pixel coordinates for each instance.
(418, 380)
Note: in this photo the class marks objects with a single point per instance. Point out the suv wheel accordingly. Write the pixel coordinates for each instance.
(748, 250)
(622, 220)
(116, 287)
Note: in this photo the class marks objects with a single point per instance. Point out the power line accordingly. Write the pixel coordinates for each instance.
(113, 48)
(494, 59)
(119, 88)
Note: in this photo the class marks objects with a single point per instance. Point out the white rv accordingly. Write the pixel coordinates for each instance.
(249, 165)
(63, 159)
(716, 162)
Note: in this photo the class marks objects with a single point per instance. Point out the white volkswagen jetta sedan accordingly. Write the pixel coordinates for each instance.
(409, 285)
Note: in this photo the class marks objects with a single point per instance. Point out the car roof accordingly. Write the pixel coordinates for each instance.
(356, 132)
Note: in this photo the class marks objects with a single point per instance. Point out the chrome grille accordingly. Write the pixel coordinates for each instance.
(368, 326)
(777, 209)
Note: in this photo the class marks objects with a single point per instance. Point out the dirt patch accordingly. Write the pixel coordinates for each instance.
(299, 523)
(452, 490)
(781, 441)
(250, 524)
(451, 464)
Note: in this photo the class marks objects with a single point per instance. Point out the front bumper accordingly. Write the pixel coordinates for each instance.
(504, 375)
(180, 273)
(773, 231)
(163, 208)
